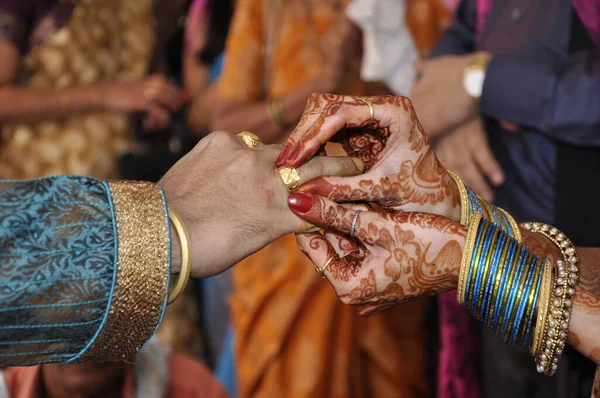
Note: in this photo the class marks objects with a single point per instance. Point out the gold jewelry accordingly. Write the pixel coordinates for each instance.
(464, 198)
(321, 271)
(542, 311)
(564, 282)
(186, 255)
(513, 224)
(251, 139)
(369, 102)
(290, 177)
(276, 113)
(466, 258)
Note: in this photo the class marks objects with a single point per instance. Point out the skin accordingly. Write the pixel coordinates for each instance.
(397, 256)
(153, 96)
(233, 201)
(466, 151)
(452, 117)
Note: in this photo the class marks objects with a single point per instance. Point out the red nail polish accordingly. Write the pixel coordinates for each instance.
(282, 156)
(300, 203)
(292, 156)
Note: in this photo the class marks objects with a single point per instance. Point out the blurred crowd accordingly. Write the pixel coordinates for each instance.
(124, 88)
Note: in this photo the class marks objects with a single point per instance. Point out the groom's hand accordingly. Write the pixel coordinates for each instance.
(233, 201)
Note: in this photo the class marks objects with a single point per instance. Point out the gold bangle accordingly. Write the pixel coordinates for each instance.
(464, 198)
(513, 225)
(466, 258)
(542, 310)
(186, 255)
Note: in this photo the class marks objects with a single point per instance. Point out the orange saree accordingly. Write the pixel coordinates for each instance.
(294, 338)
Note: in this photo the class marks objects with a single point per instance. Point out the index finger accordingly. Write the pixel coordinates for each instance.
(326, 114)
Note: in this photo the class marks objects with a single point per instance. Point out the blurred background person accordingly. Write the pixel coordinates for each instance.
(206, 31)
(154, 373)
(291, 336)
(511, 95)
(71, 75)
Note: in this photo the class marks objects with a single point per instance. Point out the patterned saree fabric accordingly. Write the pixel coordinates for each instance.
(294, 338)
(72, 251)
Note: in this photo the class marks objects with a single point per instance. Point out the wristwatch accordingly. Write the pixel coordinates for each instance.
(474, 75)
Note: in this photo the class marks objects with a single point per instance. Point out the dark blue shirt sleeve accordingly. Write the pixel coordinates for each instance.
(560, 100)
(459, 38)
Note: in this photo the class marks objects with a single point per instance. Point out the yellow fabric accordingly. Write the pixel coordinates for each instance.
(104, 41)
(294, 338)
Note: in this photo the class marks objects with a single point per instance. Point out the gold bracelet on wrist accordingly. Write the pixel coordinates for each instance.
(542, 311)
(186, 255)
(466, 258)
(565, 280)
(464, 199)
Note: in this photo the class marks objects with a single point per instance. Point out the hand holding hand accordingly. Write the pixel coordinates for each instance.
(394, 257)
(233, 201)
(154, 96)
(403, 173)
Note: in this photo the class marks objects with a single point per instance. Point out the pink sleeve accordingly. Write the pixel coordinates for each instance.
(195, 27)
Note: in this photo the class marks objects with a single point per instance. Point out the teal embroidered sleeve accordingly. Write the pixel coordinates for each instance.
(70, 263)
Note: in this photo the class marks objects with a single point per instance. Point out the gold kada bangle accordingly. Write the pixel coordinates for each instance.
(186, 255)
(464, 199)
(466, 257)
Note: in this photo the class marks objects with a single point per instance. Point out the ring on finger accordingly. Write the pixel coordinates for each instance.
(251, 139)
(290, 177)
(368, 101)
(353, 224)
(321, 271)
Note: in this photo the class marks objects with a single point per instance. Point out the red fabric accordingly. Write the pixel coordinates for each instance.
(459, 343)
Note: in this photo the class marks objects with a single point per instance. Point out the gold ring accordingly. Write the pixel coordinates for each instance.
(252, 140)
(321, 271)
(369, 102)
(290, 177)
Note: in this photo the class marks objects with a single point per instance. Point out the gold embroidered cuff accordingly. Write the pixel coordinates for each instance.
(141, 285)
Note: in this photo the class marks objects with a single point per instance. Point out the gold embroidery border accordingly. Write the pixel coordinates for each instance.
(141, 286)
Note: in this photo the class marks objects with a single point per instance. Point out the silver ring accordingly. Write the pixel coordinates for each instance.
(353, 225)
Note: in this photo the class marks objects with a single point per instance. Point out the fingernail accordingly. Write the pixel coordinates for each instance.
(282, 156)
(359, 164)
(292, 156)
(497, 178)
(300, 203)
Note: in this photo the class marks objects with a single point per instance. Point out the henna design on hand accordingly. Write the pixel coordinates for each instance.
(403, 172)
(587, 302)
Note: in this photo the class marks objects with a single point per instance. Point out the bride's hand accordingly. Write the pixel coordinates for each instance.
(393, 258)
(403, 173)
(233, 201)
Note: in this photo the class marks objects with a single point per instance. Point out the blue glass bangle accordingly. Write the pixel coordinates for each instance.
(484, 255)
(522, 299)
(536, 293)
(483, 227)
(508, 311)
(505, 223)
(475, 205)
(506, 269)
(489, 288)
(485, 271)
